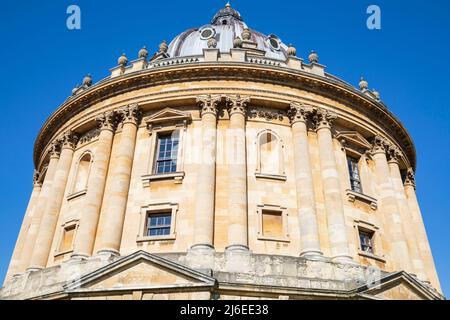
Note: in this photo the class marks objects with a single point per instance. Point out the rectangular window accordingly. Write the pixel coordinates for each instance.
(355, 179)
(167, 153)
(67, 239)
(272, 224)
(158, 224)
(366, 241)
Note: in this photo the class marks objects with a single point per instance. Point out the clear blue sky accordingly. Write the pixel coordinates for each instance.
(407, 61)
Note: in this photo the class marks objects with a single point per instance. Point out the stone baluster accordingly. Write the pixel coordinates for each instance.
(50, 216)
(306, 204)
(237, 171)
(332, 188)
(84, 242)
(117, 193)
(206, 181)
(421, 233)
(399, 252)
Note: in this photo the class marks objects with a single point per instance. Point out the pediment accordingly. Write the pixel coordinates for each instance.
(400, 286)
(354, 138)
(141, 270)
(168, 115)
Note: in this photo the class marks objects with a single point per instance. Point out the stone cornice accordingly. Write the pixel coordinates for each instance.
(326, 86)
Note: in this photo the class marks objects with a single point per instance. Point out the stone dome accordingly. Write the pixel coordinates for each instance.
(226, 25)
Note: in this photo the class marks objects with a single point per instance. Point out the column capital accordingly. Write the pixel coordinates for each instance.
(55, 149)
(393, 154)
(130, 114)
(237, 104)
(69, 140)
(107, 121)
(410, 179)
(208, 104)
(379, 144)
(299, 112)
(323, 118)
(36, 176)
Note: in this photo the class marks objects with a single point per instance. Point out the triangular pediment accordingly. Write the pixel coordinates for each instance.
(141, 270)
(400, 286)
(168, 115)
(354, 138)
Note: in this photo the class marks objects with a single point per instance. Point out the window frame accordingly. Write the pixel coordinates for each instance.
(351, 170)
(69, 224)
(366, 227)
(77, 193)
(156, 159)
(284, 221)
(158, 208)
(281, 174)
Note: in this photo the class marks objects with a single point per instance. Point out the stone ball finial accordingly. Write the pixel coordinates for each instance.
(212, 43)
(363, 85)
(237, 42)
(75, 90)
(246, 34)
(123, 60)
(376, 94)
(313, 57)
(163, 47)
(291, 51)
(87, 81)
(143, 53)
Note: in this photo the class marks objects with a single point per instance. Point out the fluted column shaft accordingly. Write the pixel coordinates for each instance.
(389, 208)
(117, 194)
(423, 244)
(206, 181)
(16, 265)
(44, 195)
(50, 217)
(237, 171)
(84, 242)
(407, 218)
(332, 189)
(306, 204)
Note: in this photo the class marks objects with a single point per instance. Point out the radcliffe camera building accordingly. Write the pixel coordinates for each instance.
(223, 166)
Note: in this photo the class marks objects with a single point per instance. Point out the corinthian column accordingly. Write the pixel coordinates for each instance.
(422, 239)
(46, 189)
(16, 266)
(306, 204)
(206, 181)
(84, 242)
(405, 212)
(388, 207)
(117, 194)
(237, 171)
(332, 188)
(50, 217)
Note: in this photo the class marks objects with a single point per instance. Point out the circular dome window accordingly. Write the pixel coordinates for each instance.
(207, 33)
(274, 42)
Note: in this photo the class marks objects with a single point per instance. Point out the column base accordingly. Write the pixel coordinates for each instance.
(238, 258)
(313, 255)
(344, 259)
(107, 254)
(237, 247)
(201, 256)
(34, 269)
(79, 256)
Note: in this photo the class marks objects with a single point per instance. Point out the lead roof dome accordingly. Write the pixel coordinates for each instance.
(226, 25)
